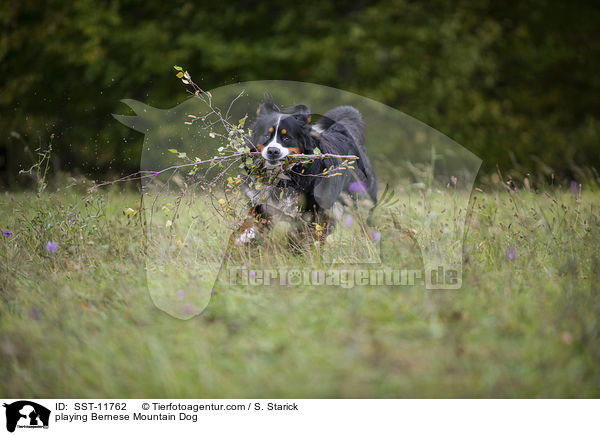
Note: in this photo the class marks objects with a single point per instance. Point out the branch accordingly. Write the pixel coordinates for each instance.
(206, 97)
(140, 175)
(320, 156)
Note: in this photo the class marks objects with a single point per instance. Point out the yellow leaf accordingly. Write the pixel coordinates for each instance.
(179, 75)
(222, 201)
(178, 68)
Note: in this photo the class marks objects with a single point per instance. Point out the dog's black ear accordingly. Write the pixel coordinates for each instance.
(301, 113)
(268, 106)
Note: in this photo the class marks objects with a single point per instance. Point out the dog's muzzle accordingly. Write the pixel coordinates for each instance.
(274, 154)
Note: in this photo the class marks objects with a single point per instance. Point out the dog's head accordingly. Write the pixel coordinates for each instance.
(279, 133)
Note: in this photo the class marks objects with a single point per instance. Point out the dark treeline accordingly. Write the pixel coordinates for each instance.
(515, 82)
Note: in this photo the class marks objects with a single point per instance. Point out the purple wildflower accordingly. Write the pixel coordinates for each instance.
(51, 246)
(357, 187)
(252, 274)
(180, 294)
(511, 254)
(376, 236)
(187, 309)
(73, 219)
(347, 220)
(7, 234)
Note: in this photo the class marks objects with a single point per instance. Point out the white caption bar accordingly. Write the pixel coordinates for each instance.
(74, 416)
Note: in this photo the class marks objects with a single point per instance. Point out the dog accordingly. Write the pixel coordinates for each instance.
(309, 193)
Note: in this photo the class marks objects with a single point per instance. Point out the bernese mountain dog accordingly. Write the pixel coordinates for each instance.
(309, 193)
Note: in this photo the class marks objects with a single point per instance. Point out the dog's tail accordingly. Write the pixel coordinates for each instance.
(348, 117)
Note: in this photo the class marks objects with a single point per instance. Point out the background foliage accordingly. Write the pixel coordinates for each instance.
(517, 83)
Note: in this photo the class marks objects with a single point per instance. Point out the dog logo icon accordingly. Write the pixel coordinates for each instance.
(26, 414)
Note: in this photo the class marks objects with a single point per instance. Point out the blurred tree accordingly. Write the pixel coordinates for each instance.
(515, 83)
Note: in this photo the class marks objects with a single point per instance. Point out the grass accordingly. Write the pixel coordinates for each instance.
(80, 322)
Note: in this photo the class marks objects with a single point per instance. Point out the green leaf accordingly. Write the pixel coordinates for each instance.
(173, 150)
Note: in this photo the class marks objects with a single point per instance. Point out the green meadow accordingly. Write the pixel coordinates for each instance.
(77, 320)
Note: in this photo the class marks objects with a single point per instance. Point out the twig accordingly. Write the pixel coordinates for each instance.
(140, 175)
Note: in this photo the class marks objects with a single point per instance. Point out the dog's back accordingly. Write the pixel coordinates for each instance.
(349, 118)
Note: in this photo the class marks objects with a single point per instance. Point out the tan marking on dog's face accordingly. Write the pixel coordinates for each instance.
(271, 130)
(294, 150)
(283, 131)
(260, 147)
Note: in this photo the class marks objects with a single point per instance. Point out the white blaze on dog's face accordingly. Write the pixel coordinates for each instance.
(274, 152)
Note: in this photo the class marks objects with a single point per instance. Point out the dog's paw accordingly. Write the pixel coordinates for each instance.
(246, 236)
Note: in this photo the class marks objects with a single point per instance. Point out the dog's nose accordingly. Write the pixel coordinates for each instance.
(273, 153)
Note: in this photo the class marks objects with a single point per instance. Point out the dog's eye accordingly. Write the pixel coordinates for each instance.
(285, 138)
